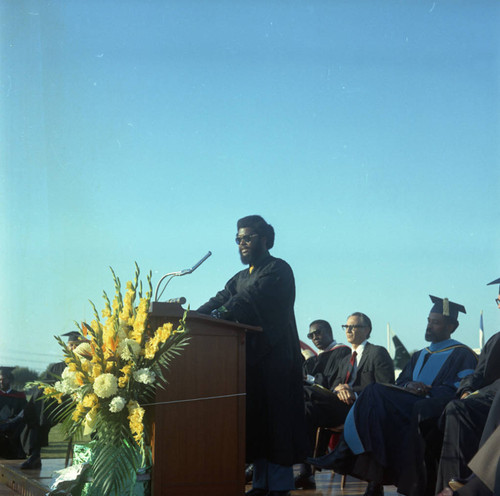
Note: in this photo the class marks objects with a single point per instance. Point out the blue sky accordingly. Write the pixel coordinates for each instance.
(366, 132)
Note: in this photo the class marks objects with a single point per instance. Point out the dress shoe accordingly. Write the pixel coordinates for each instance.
(279, 493)
(305, 481)
(339, 460)
(256, 491)
(374, 489)
(33, 462)
(249, 473)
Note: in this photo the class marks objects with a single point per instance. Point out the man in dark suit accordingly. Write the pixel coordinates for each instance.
(464, 418)
(367, 364)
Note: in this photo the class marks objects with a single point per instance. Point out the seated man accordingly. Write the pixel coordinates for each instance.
(11, 404)
(323, 368)
(382, 427)
(464, 419)
(485, 465)
(367, 364)
(320, 369)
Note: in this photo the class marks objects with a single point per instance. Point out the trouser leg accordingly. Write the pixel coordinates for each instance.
(464, 422)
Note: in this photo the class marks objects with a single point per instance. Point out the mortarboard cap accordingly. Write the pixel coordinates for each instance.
(446, 307)
(496, 281)
(74, 336)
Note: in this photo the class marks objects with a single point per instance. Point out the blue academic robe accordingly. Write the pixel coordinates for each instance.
(380, 423)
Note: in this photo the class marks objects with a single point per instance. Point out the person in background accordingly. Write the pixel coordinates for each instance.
(12, 403)
(322, 370)
(39, 415)
(365, 365)
(464, 419)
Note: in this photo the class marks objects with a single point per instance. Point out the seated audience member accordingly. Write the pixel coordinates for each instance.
(464, 419)
(485, 465)
(39, 414)
(11, 404)
(321, 369)
(382, 431)
(367, 364)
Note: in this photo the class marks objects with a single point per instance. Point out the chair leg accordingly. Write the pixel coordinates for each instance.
(315, 452)
(342, 482)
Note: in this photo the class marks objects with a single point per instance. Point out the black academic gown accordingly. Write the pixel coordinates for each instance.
(275, 406)
(463, 420)
(11, 404)
(325, 366)
(40, 414)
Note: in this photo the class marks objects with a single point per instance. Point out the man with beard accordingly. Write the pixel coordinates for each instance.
(263, 295)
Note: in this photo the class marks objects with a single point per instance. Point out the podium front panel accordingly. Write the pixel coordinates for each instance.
(199, 432)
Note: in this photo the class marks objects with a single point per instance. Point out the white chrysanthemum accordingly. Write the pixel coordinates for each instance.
(128, 349)
(68, 384)
(117, 404)
(144, 376)
(105, 385)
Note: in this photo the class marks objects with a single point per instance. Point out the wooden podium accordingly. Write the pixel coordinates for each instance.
(199, 418)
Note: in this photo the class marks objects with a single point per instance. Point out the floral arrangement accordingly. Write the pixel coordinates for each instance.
(109, 378)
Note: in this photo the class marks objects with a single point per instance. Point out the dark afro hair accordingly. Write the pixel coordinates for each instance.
(260, 226)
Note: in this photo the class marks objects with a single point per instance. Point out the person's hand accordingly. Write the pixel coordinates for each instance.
(341, 387)
(345, 394)
(418, 388)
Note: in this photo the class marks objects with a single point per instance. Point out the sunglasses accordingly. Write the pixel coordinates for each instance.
(246, 239)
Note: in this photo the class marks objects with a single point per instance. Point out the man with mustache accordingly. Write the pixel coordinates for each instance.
(263, 295)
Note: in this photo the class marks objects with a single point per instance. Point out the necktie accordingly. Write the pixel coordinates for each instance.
(352, 361)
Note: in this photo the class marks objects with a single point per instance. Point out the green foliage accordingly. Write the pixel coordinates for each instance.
(22, 375)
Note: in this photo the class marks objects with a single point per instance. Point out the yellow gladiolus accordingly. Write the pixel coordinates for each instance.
(151, 347)
(164, 331)
(78, 412)
(96, 371)
(80, 378)
(90, 400)
(135, 417)
(127, 372)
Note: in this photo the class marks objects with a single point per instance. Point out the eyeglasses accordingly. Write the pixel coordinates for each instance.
(247, 238)
(351, 327)
(315, 333)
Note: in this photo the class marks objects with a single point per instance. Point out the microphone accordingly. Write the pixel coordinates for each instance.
(180, 300)
(178, 273)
